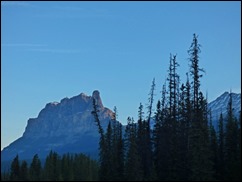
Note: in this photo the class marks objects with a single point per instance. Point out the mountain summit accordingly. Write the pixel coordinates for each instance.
(220, 104)
(67, 126)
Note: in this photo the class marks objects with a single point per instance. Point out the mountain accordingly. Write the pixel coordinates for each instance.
(220, 105)
(67, 126)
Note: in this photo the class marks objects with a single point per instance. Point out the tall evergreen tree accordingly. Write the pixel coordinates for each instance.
(102, 145)
(183, 131)
(213, 148)
(231, 145)
(239, 147)
(117, 148)
(24, 173)
(195, 70)
(221, 162)
(172, 121)
(108, 155)
(199, 156)
(15, 170)
(147, 155)
(133, 169)
(35, 169)
(52, 168)
(173, 79)
(67, 167)
(151, 100)
(157, 138)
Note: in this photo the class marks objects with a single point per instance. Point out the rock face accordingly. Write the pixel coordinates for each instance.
(67, 126)
(220, 105)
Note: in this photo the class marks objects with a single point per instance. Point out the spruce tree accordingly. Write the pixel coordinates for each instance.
(239, 147)
(15, 169)
(157, 138)
(221, 162)
(117, 148)
(147, 157)
(213, 148)
(231, 145)
(195, 70)
(35, 169)
(133, 169)
(24, 173)
(102, 145)
(199, 156)
(67, 167)
(52, 168)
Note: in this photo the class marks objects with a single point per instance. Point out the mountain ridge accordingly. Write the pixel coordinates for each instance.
(63, 126)
(220, 104)
(68, 126)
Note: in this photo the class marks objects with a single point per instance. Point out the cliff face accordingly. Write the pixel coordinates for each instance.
(67, 126)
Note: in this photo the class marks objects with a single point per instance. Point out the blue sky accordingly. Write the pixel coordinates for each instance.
(52, 50)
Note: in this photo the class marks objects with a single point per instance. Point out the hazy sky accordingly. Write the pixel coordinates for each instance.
(52, 50)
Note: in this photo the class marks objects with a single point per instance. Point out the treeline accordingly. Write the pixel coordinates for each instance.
(68, 167)
(182, 145)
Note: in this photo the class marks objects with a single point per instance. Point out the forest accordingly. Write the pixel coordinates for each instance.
(182, 146)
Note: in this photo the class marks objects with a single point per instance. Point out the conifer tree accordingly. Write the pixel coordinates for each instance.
(133, 170)
(117, 148)
(221, 162)
(35, 169)
(231, 145)
(194, 52)
(239, 147)
(141, 140)
(15, 169)
(67, 167)
(157, 138)
(198, 134)
(213, 148)
(102, 145)
(183, 131)
(148, 165)
(24, 173)
(52, 167)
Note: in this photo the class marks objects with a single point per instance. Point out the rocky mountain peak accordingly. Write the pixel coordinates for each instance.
(96, 96)
(220, 105)
(63, 126)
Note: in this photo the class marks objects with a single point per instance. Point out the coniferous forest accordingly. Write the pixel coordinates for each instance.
(182, 144)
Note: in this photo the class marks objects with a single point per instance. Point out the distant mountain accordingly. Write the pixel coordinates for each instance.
(220, 105)
(67, 126)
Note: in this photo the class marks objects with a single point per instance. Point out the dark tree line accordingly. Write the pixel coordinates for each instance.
(68, 167)
(183, 144)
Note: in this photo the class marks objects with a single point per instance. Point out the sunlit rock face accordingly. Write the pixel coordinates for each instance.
(65, 126)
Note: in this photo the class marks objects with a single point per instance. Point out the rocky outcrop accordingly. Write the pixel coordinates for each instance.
(67, 126)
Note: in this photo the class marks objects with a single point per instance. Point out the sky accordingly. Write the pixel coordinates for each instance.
(52, 50)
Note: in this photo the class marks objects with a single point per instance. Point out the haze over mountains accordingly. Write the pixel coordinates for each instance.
(69, 126)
